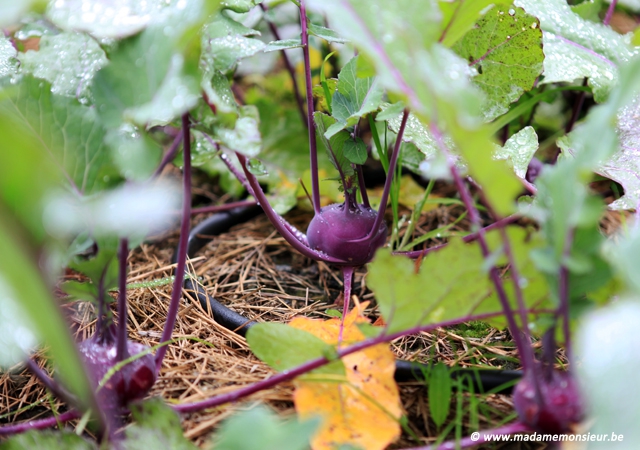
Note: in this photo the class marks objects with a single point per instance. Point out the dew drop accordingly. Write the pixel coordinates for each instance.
(534, 25)
(512, 12)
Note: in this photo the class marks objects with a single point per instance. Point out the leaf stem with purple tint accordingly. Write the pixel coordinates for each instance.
(52, 385)
(223, 207)
(524, 348)
(121, 344)
(41, 424)
(169, 155)
(289, 67)
(478, 437)
(610, 10)
(563, 294)
(176, 293)
(313, 149)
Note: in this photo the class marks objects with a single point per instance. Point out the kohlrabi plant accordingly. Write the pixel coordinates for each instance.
(515, 104)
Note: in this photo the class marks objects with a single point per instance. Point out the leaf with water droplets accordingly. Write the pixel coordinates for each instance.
(134, 152)
(519, 149)
(238, 6)
(147, 81)
(119, 18)
(70, 133)
(12, 11)
(8, 60)
(458, 18)
(505, 48)
(624, 165)
(557, 17)
(354, 98)
(68, 61)
(335, 143)
(218, 90)
(566, 61)
(225, 42)
(245, 136)
(284, 44)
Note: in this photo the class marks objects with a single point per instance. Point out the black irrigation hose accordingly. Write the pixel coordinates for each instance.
(482, 380)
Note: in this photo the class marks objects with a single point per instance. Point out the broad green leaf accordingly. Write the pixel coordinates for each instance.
(624, 165)
(101, 268)
(12, 11)
(624, 255)
(335, 144)
(284, 347)
(8, 59)
(133, 151)
(225, 42)
(607, 344)
(239, 6)
(519, 149)
(566, 61)
(355, 150)
(70, 135)
(458, 18)
(450, 283)
(48, 440)
(34, 297)
(120, 18)
(17, 339)
(68, 61)
(505, 48)
(268, 432)
(589, 9)
(132, 210)
(633, 5)
(147, 81)
(284, 44)
(245, 136)
(218, 90)
(557, 17)
(440, 390)
(326, 34)
(155, 425)
(354, 98)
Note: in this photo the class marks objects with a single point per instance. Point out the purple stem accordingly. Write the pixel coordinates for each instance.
(610, 10)
(479, 438)
(48, 382)
(176, 293)
(121, 348)
(563, 293)
(523, 348)
(468, 238)
(293, 238)
(576, 110)
(319, 362)
(363, 188)
(313, 150)
(49, 422)
(347, 275)
(169, 155)
(101, 330)
(223, 207)
(289, 67)
(388, 182)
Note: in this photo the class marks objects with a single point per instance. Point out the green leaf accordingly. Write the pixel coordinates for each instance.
(218, 90)
(34, 296)
(284, 44)
(238, 6)
(355, 150)
(8, 60)
(106, 19)
(132, 210)
(450, 283)
(147, 81)
(440, 390)
(18, 337)
(268, 432)
(565, 61)
(11, 12)
(284, 347)
(557, 17)
(100, 268)
(87, 292)
(607, 372)
(134, 152)
(68, 61)
(335, 144)
(519, 149)
(505, 48)
(156, 426)
(458, 18)
(47, 440)
(245, 136)
(225, 42)
(326, 34)
(624, 255)
(70, 135)
(589, 9)
(624, 165)
(354, 98)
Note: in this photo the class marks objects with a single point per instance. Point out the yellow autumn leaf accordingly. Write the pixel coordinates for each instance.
(363, 410)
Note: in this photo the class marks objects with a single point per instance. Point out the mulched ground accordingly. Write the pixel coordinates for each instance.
(253, 271)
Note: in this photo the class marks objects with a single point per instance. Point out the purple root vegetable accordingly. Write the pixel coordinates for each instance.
(131, 382)
(561, 409)
(338, 230)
